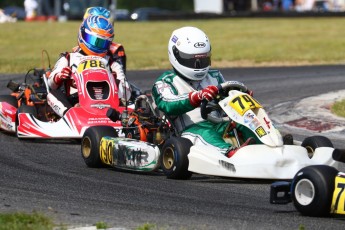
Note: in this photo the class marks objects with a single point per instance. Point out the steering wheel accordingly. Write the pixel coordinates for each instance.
(207, 107)
(225, 87)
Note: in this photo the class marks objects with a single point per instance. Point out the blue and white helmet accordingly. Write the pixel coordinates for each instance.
(189, 52)
(96, 34)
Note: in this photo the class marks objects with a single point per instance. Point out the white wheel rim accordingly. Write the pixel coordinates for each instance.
(304, 192)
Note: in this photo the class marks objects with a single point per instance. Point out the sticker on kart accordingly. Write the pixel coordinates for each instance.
(244, 102)
(128, 153)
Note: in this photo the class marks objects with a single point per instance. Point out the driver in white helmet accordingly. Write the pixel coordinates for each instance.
(179, 92)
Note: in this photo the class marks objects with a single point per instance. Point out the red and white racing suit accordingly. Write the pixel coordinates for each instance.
(117, 63)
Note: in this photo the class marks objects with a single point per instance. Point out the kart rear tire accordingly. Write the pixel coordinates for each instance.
(90, 144)
(312, 190)
(174, 158)
(9, 99)
(313, 142)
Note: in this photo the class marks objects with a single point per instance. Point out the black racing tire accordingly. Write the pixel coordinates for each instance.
(90, 144)
(312, 190)
(12, 100)
(174, 158)
(313, 142)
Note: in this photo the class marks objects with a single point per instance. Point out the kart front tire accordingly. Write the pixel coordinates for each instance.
(312, 190)
(174, 158)
(90, 144)
(313, 142)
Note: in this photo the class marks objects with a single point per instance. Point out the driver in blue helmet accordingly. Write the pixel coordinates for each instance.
(95, 38)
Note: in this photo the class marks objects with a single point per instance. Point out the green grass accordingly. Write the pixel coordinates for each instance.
(24, 221)
(235, 42)
(338, 108)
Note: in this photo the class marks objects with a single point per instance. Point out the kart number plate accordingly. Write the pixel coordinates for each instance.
(106, 151)
(338, 201)
(243, 103)
(88, 64)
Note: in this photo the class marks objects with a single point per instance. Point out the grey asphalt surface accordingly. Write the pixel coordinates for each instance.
(51, 177)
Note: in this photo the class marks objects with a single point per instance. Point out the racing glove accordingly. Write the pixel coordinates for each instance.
(208, 93)
(117, 69)
(250, 92)
(65, 74)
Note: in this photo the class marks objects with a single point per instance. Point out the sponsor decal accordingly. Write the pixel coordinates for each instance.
(254, 124)
(133, 156)
(227, 166)
(200, 55)
(248, 117)
(260, 131)
(100, 106)
(199, 45)
(57, 109)
(100, 120)
(9, 112)
(126, 153)
(174, 39)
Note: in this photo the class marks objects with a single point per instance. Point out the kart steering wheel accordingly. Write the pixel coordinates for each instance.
(207, 107)
(225, 87)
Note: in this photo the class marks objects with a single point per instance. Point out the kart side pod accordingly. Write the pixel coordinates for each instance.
(129, 154)
(101, 146)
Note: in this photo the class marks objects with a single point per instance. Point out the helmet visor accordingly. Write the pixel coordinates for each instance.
(194, 61)
(95, 41)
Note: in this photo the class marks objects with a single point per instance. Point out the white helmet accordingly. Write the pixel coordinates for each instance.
(189, 52)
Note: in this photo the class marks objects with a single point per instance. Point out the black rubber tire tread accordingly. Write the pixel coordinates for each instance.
(317, 141)
(94, 135)
(323, 179)
(179, 168)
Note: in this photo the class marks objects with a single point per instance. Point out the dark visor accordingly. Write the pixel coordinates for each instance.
(95, 41)
(195, 61)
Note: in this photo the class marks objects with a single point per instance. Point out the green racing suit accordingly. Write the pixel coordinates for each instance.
(171, 95)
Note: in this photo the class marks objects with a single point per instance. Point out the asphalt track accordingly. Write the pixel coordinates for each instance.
(51, 177)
